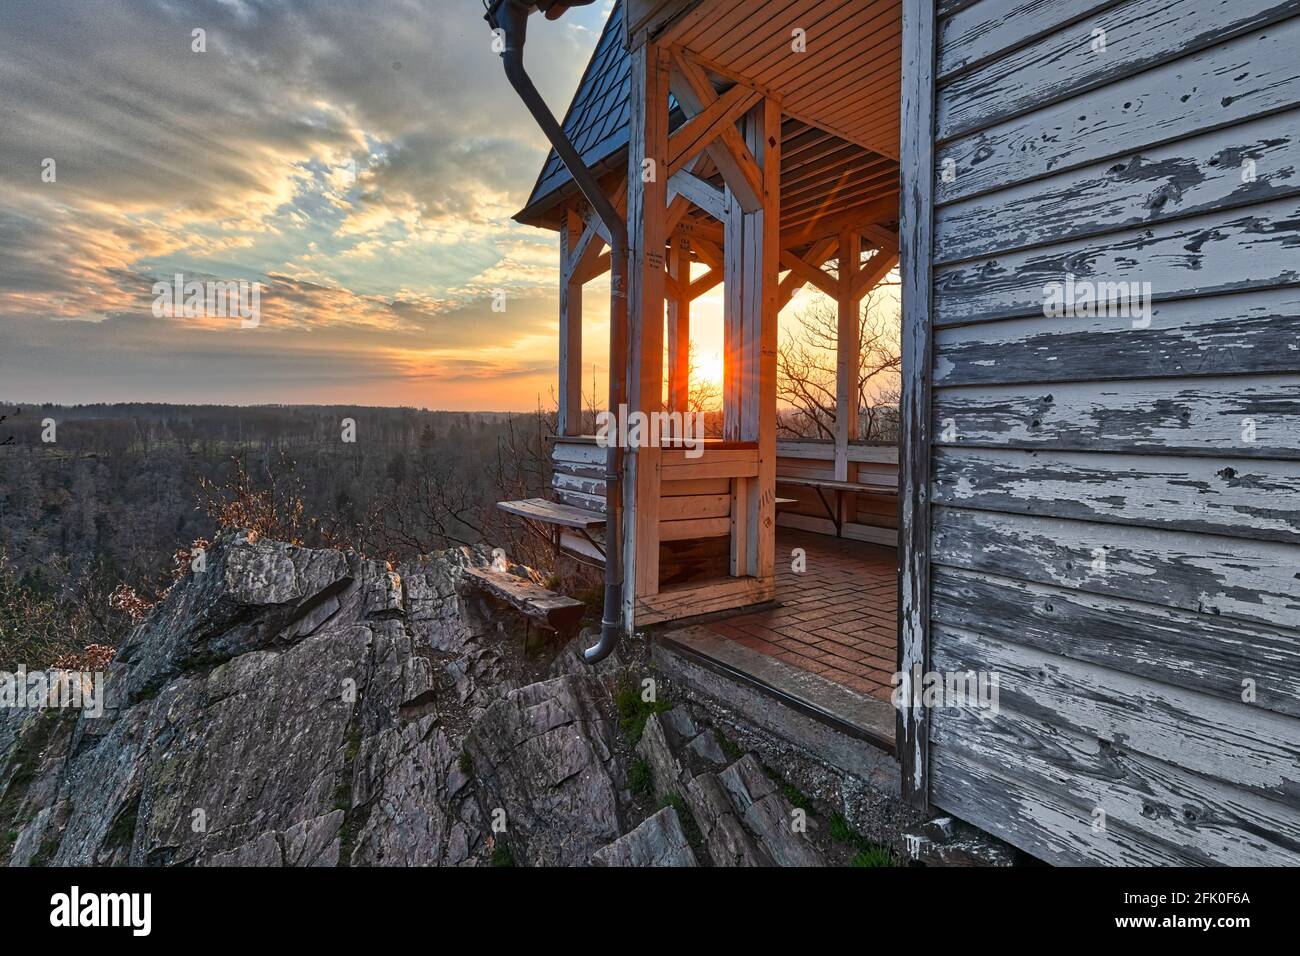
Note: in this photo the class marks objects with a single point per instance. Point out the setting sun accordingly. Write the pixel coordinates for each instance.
(708, 369)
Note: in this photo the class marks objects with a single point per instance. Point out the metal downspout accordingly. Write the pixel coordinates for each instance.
(511, 17)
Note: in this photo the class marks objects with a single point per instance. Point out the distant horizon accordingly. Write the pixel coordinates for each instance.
(4, 402)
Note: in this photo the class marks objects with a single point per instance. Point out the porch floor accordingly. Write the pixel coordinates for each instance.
(837, 619)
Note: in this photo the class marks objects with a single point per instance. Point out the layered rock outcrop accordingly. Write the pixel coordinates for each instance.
(304, 707)
(298, 707)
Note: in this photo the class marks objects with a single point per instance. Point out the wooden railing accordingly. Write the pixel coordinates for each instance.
(699, 493)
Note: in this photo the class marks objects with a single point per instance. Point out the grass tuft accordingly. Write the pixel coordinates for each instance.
(869, 854)
(633, 712)
(873, 856)
(640, 777)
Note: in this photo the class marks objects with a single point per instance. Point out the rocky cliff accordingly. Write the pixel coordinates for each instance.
(287, 706)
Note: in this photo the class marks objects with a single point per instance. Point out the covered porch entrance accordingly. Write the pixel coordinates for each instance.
(757, 152)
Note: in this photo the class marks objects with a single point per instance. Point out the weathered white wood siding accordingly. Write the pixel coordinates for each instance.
(1115, 506)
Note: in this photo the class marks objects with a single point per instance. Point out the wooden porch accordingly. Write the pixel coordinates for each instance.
(837, 618)
(761, 165)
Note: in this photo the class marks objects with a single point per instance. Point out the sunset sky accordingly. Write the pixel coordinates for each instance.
(362, 158)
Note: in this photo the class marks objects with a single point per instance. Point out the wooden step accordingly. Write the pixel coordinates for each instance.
(547, 608)
(552, 512)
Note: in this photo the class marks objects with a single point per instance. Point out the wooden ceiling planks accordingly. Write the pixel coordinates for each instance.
(841, 99)
(826, 174)
(846, 82)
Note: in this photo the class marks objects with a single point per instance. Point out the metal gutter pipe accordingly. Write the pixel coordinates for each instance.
(511, 18)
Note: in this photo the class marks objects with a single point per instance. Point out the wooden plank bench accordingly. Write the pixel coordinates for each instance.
(888, 489)
(550, 610)
(554, 513)
(559, 516)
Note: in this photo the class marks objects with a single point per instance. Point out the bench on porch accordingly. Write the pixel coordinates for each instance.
(883, 488)
(849, 490)
(694, 528)
(553, 512)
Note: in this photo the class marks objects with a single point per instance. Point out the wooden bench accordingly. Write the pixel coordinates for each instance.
(553, 611)
(888, 489)
(559, 515)
(553, 512)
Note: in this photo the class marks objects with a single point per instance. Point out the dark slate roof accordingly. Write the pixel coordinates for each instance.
(597, 120)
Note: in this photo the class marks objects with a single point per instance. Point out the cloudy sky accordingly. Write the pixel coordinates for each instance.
(360, 157)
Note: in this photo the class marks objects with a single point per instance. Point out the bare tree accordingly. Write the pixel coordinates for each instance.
(523, 470)
(703, 396)
(806, 374)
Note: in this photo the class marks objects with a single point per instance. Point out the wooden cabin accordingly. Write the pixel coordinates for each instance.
(1099, 504)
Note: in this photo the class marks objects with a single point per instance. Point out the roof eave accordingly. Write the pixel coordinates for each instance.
(543, 211)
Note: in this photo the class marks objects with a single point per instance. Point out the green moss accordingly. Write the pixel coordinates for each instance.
(501, 854)
(351, 747)
(30, 746)
(796, 797)
(353, 744)
(122, 832)
(730, 747)
(46, 852)
(633, 712)
(640, 778)
(841, 832)
(354, 818)
(689, 826)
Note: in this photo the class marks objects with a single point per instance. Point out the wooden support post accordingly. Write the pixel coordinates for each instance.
(646, 217)
(763, 136)
(916, 241)
(733, 308)
(570, 416)
(679, 324)
(752, 267)
(847, 347)
(846, 352)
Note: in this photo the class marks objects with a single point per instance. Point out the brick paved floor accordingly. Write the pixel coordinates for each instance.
(837, 619)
